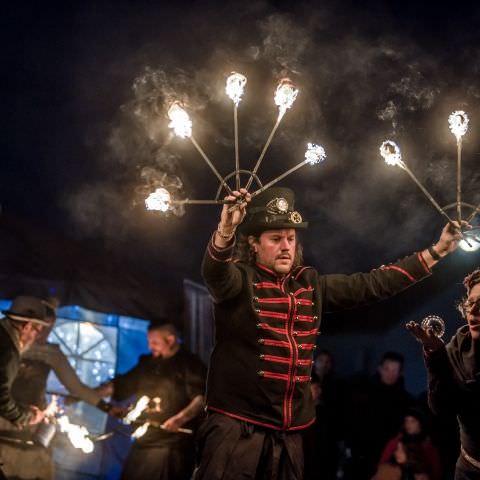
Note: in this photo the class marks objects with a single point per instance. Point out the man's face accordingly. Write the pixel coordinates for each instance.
(159, 343)
(276, 249)
(390, 371)
(472, 311)
(29, 333)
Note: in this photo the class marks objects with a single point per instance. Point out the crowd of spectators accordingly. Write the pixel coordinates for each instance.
(372, 428)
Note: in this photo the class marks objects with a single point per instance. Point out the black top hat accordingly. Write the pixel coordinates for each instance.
(28, 309)
(271, 210)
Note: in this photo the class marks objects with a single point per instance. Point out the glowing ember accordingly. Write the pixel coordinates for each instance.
(158, 200)
(285, 95)
(137, 410)
(391, 153)
(78, 435)
(458, 122)
(235, 86)
(315, 154)
(141, 430)
(179, 120)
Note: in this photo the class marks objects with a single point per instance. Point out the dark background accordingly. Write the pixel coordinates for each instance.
(86, 89)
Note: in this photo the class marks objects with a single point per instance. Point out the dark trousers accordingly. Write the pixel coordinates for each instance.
(159, 463)
(230, 449)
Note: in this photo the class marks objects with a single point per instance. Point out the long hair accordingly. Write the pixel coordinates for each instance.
(245, 253)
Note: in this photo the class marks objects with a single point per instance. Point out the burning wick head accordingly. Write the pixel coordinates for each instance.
(391, 153)
(235, 86)
(315, 154)
(285, 95)
(458, 123)
(78, 435)
(179, 120)
(137, 410)
(158, 200)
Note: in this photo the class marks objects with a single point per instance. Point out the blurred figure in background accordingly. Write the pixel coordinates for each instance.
(174, 379)
(414, 434)
(22, 324)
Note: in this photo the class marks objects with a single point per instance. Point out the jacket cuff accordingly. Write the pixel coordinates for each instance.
(220, 254)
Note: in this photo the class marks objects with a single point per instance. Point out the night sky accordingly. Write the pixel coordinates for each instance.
(87, 87)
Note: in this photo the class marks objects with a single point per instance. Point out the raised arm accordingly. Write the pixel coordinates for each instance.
(221, 276)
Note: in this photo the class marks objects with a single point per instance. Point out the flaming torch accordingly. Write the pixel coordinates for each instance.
(235, 86)
(313, 155)
(458, 123)
(285, 95)
(391, 153)
(160, 200)
(182, 126)
(78, 435)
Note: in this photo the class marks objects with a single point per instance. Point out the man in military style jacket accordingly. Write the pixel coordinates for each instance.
(268, 308)
(454, 377)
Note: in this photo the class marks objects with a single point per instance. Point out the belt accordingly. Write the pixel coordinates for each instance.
(469, 459)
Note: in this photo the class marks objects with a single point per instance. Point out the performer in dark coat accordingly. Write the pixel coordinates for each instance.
(268, 308)
(454, 377)
(18, 330)
(174, 380)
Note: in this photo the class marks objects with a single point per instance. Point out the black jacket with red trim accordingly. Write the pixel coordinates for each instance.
(266, 330)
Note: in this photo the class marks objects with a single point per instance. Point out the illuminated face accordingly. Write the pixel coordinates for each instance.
(160, 344)
(390, 372)
(472, 311)
(29, 333)
(276, 249)
(411, 425)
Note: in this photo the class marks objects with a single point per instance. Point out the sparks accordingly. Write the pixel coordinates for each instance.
(235, 86)
(158, 200)
(179, 120)
(315, 154)
(458, 123)
(78, 435)
(285, 95)
(391, 153)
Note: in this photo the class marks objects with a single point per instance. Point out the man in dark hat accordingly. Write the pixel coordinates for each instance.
(454, 377)
(268, 308)
(174, 380)
(22, 324)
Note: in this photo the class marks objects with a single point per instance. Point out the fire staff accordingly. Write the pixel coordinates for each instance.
(268, 308)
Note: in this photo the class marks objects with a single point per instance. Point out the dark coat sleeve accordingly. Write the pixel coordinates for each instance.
(221, 275)
(341, 292)
(9, 364)
(442, 388)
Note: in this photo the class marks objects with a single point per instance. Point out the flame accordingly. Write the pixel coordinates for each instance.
(315, 154)
(141, 430)
(137, 410)
(77, 434)
(391, 153)
(158, 200)
(285, 95)
(235, 86)
(179, 120)
(458, 123)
